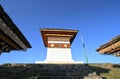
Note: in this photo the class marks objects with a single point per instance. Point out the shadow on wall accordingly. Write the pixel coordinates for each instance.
(48, 71)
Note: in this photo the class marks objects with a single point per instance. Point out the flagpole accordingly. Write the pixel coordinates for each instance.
(84, 48)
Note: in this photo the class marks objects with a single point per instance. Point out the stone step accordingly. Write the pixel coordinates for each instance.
(60, 77)
(62, 73)
(50, 71)
(63, 70)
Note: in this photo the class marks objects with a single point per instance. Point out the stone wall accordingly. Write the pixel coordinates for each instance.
(50, 71)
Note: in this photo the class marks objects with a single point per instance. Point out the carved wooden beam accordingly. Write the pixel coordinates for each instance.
(117, 53)
(11, 34)
(8, 40)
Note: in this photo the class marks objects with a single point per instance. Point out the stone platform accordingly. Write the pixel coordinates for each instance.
(59, 62)
(64, 71)
(48, 71)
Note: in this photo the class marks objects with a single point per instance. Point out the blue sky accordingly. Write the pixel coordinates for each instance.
(97, 20)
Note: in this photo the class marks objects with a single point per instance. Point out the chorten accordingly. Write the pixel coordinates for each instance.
(58, 43)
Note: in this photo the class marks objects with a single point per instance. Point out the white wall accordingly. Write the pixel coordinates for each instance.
(59, 55)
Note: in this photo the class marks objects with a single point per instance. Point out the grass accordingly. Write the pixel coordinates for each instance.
(114, 70)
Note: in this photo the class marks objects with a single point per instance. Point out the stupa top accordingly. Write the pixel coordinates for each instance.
(49, 32)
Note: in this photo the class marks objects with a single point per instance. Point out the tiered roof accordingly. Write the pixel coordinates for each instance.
(47, 32)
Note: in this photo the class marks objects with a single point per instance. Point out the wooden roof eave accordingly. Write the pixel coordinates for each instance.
(114, 40)
(13, 27)
(110, 49)
(57, 31)
(5, 47)
(9, 41)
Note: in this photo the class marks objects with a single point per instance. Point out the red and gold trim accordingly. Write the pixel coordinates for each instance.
(56, 45)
